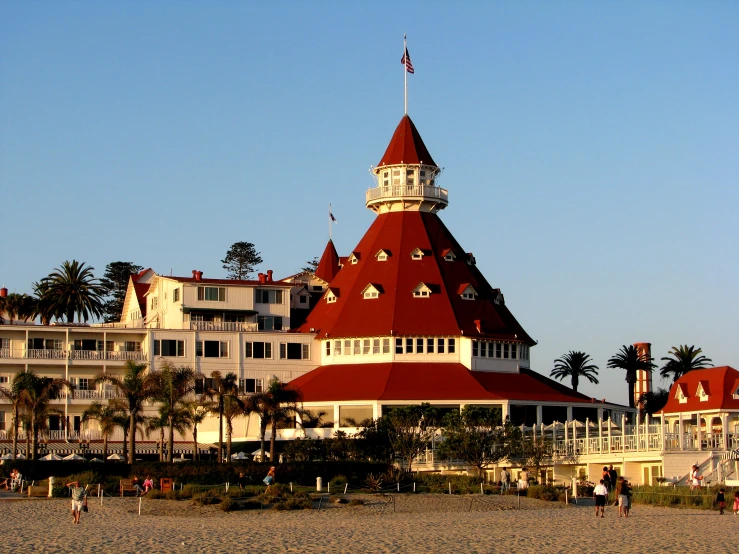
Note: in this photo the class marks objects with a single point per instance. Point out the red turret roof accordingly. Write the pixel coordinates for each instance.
(429, 382)
(406, 146)
(328, 267)
(719, 383)
(396, 311)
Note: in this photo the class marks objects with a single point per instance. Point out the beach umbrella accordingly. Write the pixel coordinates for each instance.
(50, 457)
(239, 456)
(116, 457)
(73, 458)
(96, 460)
(258, 453)
(6, 457)
(19, 457)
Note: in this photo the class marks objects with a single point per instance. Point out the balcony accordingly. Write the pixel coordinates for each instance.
(52, 354)
(92, 394)
(419, 193)
(135, 324)
(234, 326)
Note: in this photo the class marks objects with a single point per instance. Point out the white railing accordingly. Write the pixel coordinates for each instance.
(401, 191)
(47, 354)
(238, 326)
(91, 395)
(87, 355)
(123, 356)
(133, 324)
(11, 353)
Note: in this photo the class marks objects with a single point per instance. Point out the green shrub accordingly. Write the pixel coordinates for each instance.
(294, 504)
(59, 491)
(373, 482)
(540, 492)
(339, 481)
(156, 494)
(227, 505)
(173, 495)
(206, 498)
(252, 504)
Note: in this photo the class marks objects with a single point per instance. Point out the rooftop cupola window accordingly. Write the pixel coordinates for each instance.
(498, 298)
(467, 292)
(382, 255)
(681, 393)
(372, 291)
(448, 255)
(422, 291)
(703, 391)
(417, 254)
(354, 258)
(331, 296)
(471, 259)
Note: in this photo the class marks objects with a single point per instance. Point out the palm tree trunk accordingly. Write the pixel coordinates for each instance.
(171, 443)
(105, 447)
(132, 438)
(631, 394)
(28, 443)
(194, 443)
(220, 432)
(575, 382)
(262, 432)
(34, 432)
(229, 432)
(15, 431)
(272, 441)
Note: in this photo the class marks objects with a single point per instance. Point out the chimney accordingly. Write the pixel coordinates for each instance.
(269, 275)
(3, 292)
(195, 274)
(262, 278)
(199, 276)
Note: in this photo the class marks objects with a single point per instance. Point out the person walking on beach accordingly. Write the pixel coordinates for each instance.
(523, 480)
(505, 481)
(270, 478)
(600, 493)
(624, 503)
(78, 499)
(736, 502)
(613, 478)
(695, 479)
(721, 501)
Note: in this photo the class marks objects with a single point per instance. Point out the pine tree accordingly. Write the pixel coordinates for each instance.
(241, 260)
(115, 283)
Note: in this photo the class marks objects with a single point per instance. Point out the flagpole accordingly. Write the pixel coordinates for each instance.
(405, 74)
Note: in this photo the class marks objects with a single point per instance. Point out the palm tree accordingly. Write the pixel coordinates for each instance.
(653, 401)
(42, 305)
(217, 389)
(278, 404)
(37, 394)
(233, 406)
(196, 414)
(136, 387)
(17, 306)
(630, 359)
(684, 358)
(175, 384)
(575, 364)
(109, 416)
(14, 395)
(72, 289)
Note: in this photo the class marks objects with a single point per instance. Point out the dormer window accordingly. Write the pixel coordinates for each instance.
(499, 297)
(371, 291)
(331, 296)
(471, 259)
(703, 391)
(448, 255)
(354, 258)
(681, 393)
(736, 391)
(467, 292)
(421, 291)
(417, 254)
(382, 255)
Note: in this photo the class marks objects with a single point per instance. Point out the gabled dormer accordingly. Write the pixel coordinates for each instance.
(417, 254)
(467, 292)
(332, 294)
(448, 255)
(354, 258)
(498, 297)
(735, 390)
(371, 291)
(471, 259)
(681, 393)
(422, 290)
(703, 391)
(382, 255)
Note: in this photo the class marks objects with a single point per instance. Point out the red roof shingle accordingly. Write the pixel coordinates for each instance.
(406, 146)
(719, 383)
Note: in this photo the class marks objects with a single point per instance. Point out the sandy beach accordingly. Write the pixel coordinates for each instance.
(398, 523)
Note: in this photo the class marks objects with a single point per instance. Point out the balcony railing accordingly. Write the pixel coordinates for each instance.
(407, 191)
(52, 354)
(238, 326)
(134, 324)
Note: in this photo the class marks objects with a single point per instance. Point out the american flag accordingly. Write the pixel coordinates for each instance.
(332, 217)
(406, 60)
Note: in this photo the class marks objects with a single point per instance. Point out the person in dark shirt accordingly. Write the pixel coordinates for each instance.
(721, 501)
(624, 497)
(613, 478)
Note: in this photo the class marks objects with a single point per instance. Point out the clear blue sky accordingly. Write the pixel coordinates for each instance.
(590, 148)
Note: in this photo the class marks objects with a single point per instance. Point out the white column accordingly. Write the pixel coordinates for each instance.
(662, 432)
(336, 416)
(638, 422)
(600, 430)
(623, 432)
(680, 433)
(698, 431)
(587, 435)
(504, 411)
(569, 413)
(539, 414)
(725, 431)
(609, 434)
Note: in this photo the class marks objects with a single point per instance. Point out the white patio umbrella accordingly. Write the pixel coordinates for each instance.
(50, 457)
(116, 457)
(258, 453)
(239, 456)
(19, 457)
(72, 458)
(96, 460)
(6, 457)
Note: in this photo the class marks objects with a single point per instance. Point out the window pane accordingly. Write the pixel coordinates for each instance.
(440, 346)
(386, 346)
(398, 346)
(452, 346)
(258, 349)
(409, 346)
(419, 346)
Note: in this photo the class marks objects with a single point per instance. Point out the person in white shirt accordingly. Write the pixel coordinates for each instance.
(695, 479)
(600, 493)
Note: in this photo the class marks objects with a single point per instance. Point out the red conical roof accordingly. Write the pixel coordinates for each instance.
(406, 146)
(328, 267)
(396, 311)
